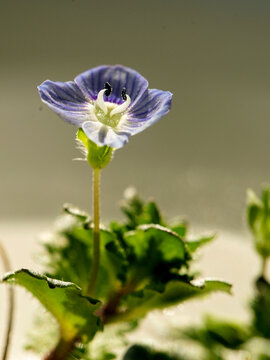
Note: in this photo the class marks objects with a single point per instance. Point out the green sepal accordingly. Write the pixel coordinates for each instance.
(64, 300)
(97, 156)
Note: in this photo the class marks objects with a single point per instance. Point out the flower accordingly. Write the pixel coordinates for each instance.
(110, 103)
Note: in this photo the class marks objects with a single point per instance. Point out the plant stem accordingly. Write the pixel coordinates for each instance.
(109, 309)
(264, 266)
(96, 233)
(11, 301)
(62, 350)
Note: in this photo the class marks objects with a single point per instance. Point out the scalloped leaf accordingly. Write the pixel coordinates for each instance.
(137, 304)
(71, 259)
(73, 311)
(154, 252)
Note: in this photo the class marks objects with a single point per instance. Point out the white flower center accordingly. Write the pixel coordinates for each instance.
(106, 112)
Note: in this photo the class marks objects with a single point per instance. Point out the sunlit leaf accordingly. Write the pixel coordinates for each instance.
(137, 304)
(153, 252)
(73, 311)
(193, 245)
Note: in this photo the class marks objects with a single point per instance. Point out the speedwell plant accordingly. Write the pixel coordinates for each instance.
(96, 276)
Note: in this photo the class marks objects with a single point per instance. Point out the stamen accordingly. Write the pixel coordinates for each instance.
(124, 94)
(108, 88)
(100, 101)
(121, 108)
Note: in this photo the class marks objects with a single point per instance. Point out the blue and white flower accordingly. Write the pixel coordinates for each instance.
(110, 103)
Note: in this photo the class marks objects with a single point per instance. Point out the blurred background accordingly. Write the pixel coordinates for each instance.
(196, 162)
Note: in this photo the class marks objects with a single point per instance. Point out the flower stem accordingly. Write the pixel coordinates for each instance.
(11, 302)
(96, 233)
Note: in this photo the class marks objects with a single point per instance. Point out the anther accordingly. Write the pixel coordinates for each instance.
(108, 89)
(124, 94)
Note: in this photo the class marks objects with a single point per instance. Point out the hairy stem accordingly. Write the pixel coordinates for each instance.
(11, 302)
(62, 350)
(96, 233)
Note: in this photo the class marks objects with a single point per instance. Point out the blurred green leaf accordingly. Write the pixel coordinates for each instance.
(193, 245)
(216, 332)
(254, 206)
(69, 256)
(258, 216)
(76, 212)
(108, 356)
(73, 311)
(264, 357)
(139, 352)
(138, 212)
(137, 304)
(261, 308)
(180, 229)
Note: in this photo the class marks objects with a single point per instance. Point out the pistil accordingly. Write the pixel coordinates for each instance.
(109, 113)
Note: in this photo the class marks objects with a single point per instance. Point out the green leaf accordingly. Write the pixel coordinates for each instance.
(261, 308)
(254, 206)
(193, 245)
(113, 263)
(139, 352)
(265, 200)
(152, 214)
(139, 303)
(180, 229)
(153, 252)
(73, 311)
(70, 251)
(219, 333)
(138, 212)
(76, 212)
(258, 216)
